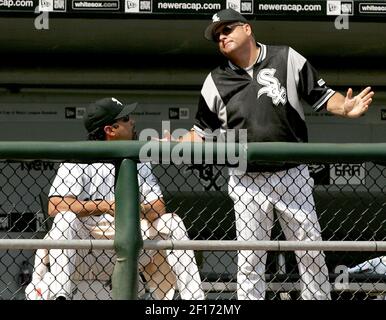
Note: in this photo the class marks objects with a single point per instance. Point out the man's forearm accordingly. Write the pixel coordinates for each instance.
(80, 208)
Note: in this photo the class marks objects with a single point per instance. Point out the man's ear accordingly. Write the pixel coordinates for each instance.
(248, 28)
(109, 131)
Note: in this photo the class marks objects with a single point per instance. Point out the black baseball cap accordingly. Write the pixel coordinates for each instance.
(223, 16)
(104, 111)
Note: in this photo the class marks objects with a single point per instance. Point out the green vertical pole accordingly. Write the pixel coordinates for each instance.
(128, 241)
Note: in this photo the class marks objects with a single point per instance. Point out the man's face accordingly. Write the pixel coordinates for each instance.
(124, 129)
(232, 36)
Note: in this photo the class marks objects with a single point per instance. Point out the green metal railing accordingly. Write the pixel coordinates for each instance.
(268, 151)
(128, 240)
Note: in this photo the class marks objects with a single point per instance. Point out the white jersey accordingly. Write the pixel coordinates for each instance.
(96, 182)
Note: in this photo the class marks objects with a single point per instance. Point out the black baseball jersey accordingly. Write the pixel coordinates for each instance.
(269, 105)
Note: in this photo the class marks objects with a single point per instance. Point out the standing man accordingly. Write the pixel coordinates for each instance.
(81, 200)
(264, 89)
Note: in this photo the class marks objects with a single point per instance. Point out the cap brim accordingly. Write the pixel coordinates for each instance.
(208, 34)
(127, 109)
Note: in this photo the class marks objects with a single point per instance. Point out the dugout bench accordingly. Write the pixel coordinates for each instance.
(359, 286)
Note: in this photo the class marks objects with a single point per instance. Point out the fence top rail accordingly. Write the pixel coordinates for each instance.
(215, 245)
(272, 245)
(259, 151)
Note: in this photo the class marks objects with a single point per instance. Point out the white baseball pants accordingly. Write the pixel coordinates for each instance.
(100, 263)
(182, 262)
(255, 195)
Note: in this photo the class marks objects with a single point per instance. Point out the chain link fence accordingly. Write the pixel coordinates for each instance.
(349, 200)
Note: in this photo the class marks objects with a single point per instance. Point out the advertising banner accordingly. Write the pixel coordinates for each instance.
(290, 8)
(97, 5)
(202, 9)
(18, 5)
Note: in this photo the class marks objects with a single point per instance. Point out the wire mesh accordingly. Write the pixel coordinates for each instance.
(348, 200)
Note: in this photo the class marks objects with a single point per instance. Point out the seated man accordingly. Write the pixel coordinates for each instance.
(160, 279)
(81, 200)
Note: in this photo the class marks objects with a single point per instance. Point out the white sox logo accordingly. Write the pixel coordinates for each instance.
(117, 101)
(271, 86)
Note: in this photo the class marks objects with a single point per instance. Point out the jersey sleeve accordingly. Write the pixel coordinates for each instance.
(68, 181)
(211, 113)
(310, 87)
(148, 184)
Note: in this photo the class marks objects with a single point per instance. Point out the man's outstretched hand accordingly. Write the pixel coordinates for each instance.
(355, 106)
(167, 137)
